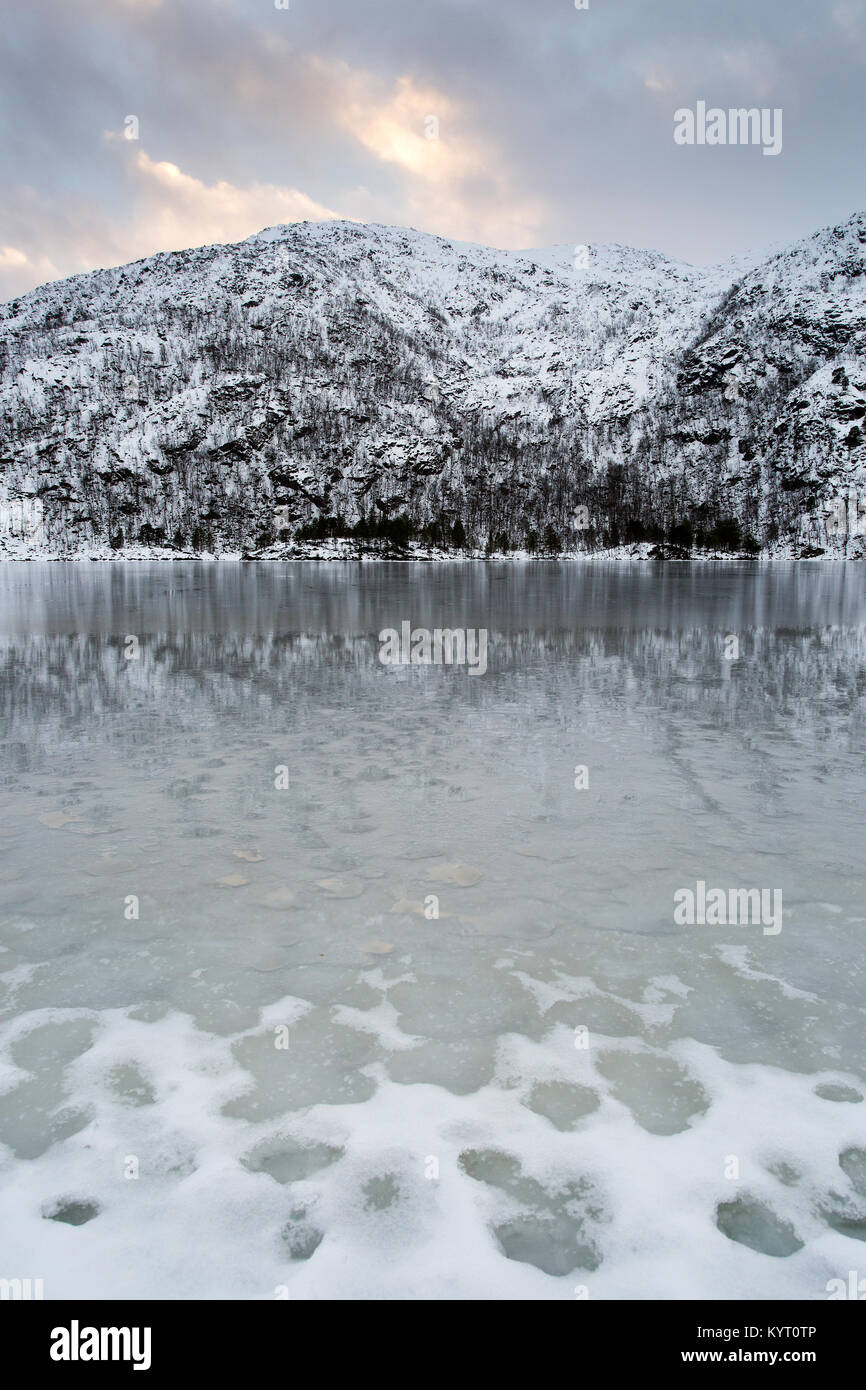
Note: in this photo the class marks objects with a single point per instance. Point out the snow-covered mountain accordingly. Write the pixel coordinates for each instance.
(336, 379)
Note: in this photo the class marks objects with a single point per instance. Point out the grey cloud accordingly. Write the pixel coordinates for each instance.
(559, 98)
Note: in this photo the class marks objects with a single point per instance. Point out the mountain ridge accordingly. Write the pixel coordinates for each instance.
(346, 387)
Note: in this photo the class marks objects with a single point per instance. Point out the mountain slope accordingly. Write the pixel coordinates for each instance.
(326, 378)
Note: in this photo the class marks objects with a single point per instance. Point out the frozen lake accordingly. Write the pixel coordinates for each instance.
(323, 977)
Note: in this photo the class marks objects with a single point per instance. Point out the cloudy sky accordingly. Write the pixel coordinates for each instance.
(555, 124)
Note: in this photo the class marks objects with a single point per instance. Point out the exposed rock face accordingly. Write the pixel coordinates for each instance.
(329, 377)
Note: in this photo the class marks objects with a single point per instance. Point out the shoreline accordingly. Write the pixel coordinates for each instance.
(330, 552)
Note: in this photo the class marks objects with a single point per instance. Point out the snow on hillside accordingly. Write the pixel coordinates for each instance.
(376, 387)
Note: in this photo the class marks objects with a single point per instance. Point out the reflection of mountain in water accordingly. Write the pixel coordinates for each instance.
(798, 680)
(291, 598)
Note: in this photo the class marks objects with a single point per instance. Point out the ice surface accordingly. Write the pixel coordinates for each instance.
(303, 1082)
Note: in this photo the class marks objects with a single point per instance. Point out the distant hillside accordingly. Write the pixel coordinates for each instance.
(340, 380)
